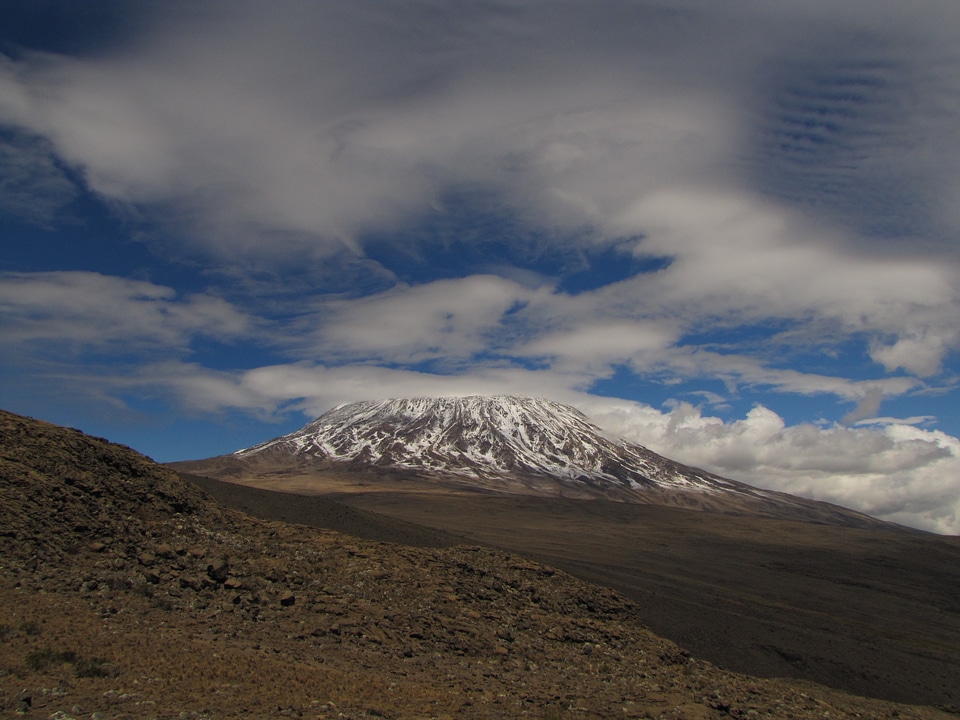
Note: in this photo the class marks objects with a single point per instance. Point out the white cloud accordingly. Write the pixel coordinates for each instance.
(919, 350)
(446, 319)
(866, 407)
(78, 311)
(313, 389)
(463, 323)
(596, 346)
(330, 121)
(274, 134)
(735, 256)
(913, 420)
(270, 137)
(898, 472)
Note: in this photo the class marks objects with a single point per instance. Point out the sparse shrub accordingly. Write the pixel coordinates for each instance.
(31, 628)
(553, 712)
(39, 659)
(93, 668)
(45, 658)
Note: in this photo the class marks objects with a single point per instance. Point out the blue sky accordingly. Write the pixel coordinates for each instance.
(727, 231)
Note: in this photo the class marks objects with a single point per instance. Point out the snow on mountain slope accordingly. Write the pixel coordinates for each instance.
(479, 437)
(521, 445)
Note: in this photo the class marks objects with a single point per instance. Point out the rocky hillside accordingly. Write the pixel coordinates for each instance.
(127, 592)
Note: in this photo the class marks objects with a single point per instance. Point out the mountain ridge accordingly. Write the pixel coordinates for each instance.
(510, 444)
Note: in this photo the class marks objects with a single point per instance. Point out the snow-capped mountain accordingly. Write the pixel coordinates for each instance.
(518, 445)
(481, 438)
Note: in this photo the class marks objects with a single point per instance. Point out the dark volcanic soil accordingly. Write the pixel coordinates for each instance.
(868, 611)
(872, 612)
(126, 592)
(323, 512)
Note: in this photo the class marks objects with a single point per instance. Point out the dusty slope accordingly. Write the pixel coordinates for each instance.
(870, 612)
(125, 592)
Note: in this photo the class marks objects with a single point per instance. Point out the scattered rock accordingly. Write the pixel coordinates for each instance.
(162, 634)
(188, 582)
(218, 571)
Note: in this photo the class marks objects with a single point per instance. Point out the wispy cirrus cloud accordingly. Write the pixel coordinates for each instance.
(78, 312)
(332, 122)
(446, 319)
(753, 202)
(376, 126)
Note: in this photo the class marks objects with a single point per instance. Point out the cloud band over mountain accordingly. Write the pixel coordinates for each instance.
(735, 221)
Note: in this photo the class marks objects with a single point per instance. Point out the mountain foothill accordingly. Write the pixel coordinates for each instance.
(301, 579)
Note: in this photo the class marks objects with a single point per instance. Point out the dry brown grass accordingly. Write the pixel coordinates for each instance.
(183, 669)
(113, 604)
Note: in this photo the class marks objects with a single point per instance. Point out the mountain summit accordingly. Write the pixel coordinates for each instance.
(518, 445)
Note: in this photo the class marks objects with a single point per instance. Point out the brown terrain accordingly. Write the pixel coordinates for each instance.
(128, 592)
(870, 611)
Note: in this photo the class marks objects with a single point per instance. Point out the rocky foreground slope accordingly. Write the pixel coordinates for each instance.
(126, 592)
(513, 445)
